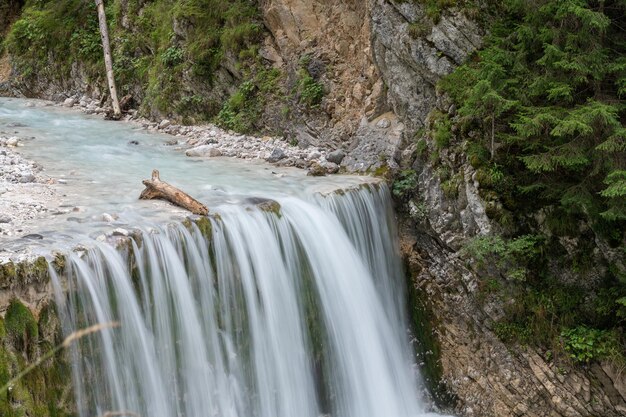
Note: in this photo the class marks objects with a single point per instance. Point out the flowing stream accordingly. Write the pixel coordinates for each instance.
(282, 313)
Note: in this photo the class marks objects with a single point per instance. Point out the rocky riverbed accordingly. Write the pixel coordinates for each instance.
(209, 141)
(25, 192)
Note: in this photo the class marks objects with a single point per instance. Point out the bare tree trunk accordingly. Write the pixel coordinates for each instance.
(108, 62)
(493, 136)
(157, 189)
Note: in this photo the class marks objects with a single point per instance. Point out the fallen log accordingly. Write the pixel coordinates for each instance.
(157, 189)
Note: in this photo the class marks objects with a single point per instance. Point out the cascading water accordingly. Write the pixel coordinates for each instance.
(298, 313)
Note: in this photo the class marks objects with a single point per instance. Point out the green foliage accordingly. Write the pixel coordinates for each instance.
(442, 131)
(310, 91)
(585, 344)
(404, 184)
(514, 257)
(243, 109)
(541, 108)
(172, 56)
(547, 90)
(167, 72)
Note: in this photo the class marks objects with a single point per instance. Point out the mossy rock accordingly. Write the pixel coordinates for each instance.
(14, 275)
(21, 327)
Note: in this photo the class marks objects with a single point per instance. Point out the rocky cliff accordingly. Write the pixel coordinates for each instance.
(362, 75)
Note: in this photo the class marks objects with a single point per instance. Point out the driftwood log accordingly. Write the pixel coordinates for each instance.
(157, 189)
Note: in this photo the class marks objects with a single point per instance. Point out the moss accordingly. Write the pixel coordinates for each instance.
(21, 327)
(205, 226)
(428, 350)
(270, 206)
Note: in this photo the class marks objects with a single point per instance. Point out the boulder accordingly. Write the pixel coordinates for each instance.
(336, 156)
(276, 155)
(203, 151)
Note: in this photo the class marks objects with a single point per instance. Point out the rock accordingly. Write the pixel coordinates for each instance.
(336, 156)
(330, 167)
(164, 123)
(120, 232)
(5, 219)
(383, 123)
(133, 142)
(33, 236)
(203, 151)
(276, 155)
(316, 170)
(108, 218)
(69, 102)
(27, 178)
(313, 155)
(3, 190)
(12, 141)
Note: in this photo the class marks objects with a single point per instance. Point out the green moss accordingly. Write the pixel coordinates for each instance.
(21, 327)
(428, 350)
(205, 226)
(270, 206)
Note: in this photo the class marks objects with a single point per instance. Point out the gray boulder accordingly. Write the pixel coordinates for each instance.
(336, 156)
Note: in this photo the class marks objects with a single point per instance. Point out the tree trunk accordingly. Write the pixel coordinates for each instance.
(108, 62)
(157, 189)
(493, 136)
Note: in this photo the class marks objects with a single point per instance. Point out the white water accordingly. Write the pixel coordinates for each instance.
(293, 315)
(271, 316)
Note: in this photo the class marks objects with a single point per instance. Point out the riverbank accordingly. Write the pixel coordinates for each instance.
(209, 141)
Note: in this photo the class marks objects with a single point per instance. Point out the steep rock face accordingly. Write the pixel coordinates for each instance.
(335, 39)
(486, 377)
(413, 53)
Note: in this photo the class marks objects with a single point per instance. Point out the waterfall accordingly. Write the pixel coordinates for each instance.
(296, 313)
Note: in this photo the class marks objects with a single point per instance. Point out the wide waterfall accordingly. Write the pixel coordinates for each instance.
(279, 313)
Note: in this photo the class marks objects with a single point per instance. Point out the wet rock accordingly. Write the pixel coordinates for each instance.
(33, 236)
(330, 167)
(120, 232)
(336, 156)
(108, 217)
(276, 155)
(133, 142)
(316, 170)
(12, 141)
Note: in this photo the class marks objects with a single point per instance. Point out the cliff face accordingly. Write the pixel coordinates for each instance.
(378, 63)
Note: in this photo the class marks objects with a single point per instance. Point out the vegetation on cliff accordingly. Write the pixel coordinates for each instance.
(169, 54)
(541, 111)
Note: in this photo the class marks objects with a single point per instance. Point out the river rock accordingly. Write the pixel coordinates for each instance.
(69, 102)
(316, 170)
(336, 156)
(313, 155)
(12, 141)
(276, 155)
(27, 177)
(330, 167)
(203, 151)
(164, 123)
